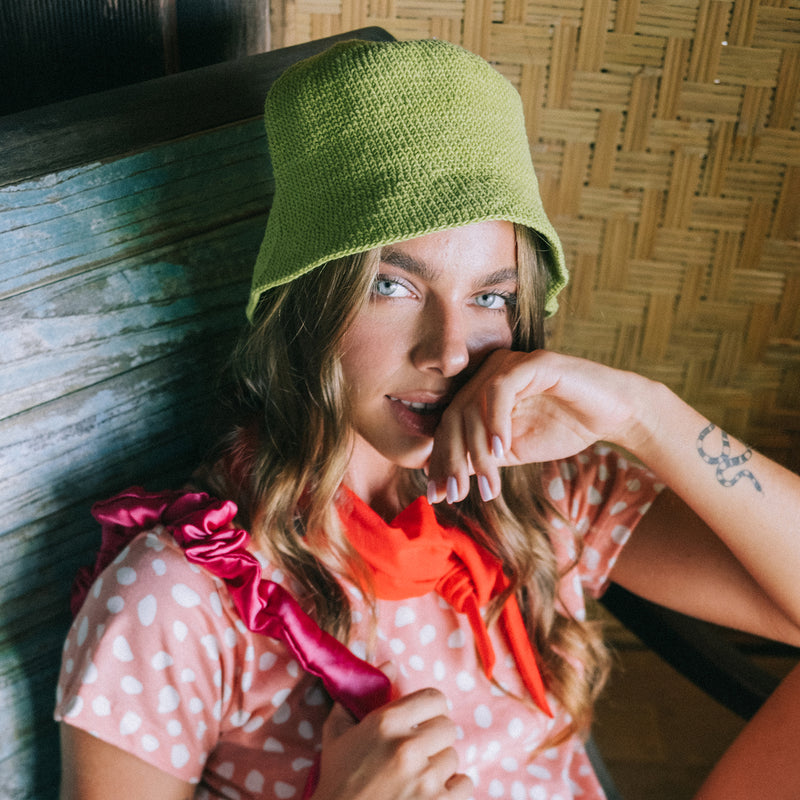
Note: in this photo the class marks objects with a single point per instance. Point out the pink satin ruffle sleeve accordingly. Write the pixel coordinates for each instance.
(202, 526)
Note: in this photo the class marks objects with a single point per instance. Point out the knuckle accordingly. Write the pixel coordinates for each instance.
(430, 785)
(387, 722)
(406, 756)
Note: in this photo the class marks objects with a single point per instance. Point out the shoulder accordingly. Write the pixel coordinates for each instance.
(158, 652)
(152, 570)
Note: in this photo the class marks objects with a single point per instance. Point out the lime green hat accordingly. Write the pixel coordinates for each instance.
(374, 143)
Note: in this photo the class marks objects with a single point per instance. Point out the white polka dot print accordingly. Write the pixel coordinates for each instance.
(465, 681)
(556, 489)
(147, 609)
(168, 700)
(83, 630)
(161, 660)
(239, 718)
(496, 788)
(196, 705)
(215, 603)
(90, 674)
(254, 782)
(184, 596)
(225, 769)
(253, 724)
(427, 634)
(272, 745)
(175, 676)
(283, 714)
(456, 639)
(179, 755)
(101, 706)
(483, 716)
(130, 723)
(122, 650)
(620, 534)
(211, 645)
(404, 616)
(131, 685)
(267, 661)
(115, 604)
(126, 576)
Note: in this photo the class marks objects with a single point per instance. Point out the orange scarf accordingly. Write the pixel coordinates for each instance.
(415, 555)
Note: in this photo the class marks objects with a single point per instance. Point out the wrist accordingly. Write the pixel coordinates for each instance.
(649, 400)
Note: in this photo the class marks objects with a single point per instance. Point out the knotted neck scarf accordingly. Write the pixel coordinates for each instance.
(414, 555)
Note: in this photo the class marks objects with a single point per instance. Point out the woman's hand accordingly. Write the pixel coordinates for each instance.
(402, 751)
(520, 408)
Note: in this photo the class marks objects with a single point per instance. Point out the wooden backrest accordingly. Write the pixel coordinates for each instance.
(129, 224)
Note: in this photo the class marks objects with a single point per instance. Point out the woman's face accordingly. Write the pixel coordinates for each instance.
(440, 304)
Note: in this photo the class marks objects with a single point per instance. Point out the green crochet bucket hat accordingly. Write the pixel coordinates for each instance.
(374, 143)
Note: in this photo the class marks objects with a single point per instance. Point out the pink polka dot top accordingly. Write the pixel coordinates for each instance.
(158, 662)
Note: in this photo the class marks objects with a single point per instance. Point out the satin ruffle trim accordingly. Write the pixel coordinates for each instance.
(202, 526)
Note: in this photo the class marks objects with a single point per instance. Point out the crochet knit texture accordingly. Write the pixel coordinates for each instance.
(374, 143)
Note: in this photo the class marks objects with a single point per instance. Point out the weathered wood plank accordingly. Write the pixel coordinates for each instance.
(62, 225)
(113, 318)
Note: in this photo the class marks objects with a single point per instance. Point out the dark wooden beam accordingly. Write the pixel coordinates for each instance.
(127, 119)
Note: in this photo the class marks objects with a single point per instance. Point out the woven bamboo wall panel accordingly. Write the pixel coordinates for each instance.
(666, 137)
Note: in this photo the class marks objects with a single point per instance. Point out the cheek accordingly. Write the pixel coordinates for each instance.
(367, 350)
(490, 338)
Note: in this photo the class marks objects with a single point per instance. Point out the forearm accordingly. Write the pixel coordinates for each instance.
(751, 503)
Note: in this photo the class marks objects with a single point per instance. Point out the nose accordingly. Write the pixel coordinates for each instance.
(442, 344)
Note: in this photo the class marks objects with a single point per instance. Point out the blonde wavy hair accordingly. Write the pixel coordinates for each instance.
(285, 460)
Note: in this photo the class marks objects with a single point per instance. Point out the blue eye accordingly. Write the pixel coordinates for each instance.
(493, 301)
(387, 287)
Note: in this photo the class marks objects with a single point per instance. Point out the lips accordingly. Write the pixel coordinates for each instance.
(419, 416)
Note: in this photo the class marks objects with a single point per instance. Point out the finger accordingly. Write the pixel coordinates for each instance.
(442, 765)
(502, 393)
(401, 716)
(436, 734)
(339, 722)
(460, 786)
(448, 464)
(483, 461)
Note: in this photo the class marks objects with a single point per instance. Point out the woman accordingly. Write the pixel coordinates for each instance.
(432, 486)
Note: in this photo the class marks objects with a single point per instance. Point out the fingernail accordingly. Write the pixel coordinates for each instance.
(452, 490)
(431, 492)
(484, 488)
(497, 447)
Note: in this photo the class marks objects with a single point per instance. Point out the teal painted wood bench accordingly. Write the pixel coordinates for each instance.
(129, 223)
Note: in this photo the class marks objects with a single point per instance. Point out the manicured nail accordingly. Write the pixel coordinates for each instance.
(452, 490)
(497, 447)
(484, 488)
(431, 492)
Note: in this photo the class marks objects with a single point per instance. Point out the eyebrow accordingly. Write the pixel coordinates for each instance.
(397, 258)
